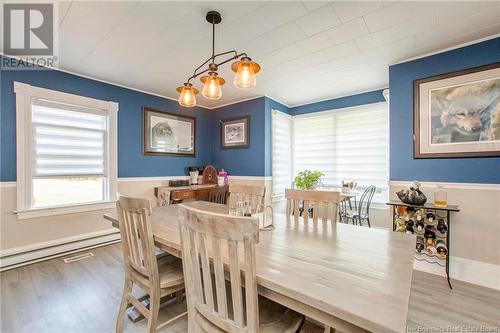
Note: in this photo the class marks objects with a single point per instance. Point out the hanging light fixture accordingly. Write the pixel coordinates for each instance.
(187, 95)
(244, 68)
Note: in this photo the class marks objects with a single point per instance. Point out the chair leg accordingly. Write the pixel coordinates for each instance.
(127, 289)
(368, 220)
(154, 308)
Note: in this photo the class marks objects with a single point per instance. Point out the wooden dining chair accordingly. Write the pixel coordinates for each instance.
(157, 277)
(323, 204)
(219, 241)
(254, 194)
(218, 194)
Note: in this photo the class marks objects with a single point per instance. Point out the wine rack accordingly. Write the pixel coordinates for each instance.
(431, 225)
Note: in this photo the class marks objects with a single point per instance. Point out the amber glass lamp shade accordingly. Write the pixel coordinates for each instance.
(187, 95)
(245, 73)
(212, 85)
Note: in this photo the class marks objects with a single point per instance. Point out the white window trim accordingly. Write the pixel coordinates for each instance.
(281, 197)
(25, 93)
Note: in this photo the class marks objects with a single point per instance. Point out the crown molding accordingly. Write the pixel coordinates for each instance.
(454, 47)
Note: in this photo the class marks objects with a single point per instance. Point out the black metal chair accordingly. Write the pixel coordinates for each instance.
(361, 211)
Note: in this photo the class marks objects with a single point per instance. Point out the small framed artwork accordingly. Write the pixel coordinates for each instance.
(168, 133)
(235, 133)
(457, 114)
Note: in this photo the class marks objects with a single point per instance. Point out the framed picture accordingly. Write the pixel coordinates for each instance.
(235, 133)
(457, 114)
(167, 133)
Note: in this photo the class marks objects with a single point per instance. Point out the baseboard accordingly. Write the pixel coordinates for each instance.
(467, 270)
(20, 256)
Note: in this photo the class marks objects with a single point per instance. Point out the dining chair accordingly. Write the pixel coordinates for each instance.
(315, 203)
(219, 241)
(218, 194)
(361, 211)
(254, 194)
(158, 277)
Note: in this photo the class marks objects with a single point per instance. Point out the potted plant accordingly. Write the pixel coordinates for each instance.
(308, 180)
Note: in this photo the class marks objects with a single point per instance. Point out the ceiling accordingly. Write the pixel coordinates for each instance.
(308, 51)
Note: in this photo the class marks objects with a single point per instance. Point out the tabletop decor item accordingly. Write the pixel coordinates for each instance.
(168, 133)
(235, 133)
(209, 175)
(458, 114)
(308, 180)
(412, 194)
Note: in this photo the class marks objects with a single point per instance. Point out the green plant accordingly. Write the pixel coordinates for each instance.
(308, 179)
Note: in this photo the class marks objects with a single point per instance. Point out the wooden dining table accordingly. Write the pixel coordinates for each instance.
(351, 278)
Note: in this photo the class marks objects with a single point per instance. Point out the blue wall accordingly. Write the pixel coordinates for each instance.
(131, 161)
(401, 76)
(342, 102)
(243, 162)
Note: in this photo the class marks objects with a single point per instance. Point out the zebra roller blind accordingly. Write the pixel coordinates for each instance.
(67, 140)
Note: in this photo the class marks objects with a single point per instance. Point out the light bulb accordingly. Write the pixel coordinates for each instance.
(245, 70)
(212, 86)
(245, 76)
(187, 95)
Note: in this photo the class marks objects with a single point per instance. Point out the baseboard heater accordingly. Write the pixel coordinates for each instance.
(30, 257)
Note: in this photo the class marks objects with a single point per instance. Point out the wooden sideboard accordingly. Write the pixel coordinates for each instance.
(166, 195)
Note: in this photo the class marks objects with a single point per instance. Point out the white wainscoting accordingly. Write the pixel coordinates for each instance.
(35, 239)
(475, 231)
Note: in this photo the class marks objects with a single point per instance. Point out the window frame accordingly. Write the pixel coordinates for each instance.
(25, 94)
(281, 197)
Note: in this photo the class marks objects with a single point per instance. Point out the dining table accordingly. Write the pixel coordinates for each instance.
(351, 278)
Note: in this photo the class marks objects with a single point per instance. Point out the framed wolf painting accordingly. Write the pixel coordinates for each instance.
(457, 114)
(168, 133)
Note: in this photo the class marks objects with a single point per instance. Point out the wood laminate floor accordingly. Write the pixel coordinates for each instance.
(83, 296)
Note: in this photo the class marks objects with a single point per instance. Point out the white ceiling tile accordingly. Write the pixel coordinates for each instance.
(315, 43)
(392, 34)
(282, 55)
(231, 11)
(281, 12)
(348, 31)
(84, 36)
(313, 5)
(63, 7)
(256, 47)
(341, 50)
(400, 12)
(318, 21)
(244, 29)
(349, 10)
(285, 35)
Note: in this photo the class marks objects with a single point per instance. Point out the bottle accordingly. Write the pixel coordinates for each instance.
(248, 209)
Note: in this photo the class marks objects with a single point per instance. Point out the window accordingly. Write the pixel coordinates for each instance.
(66, 147)
(345, 144)
(282, 153)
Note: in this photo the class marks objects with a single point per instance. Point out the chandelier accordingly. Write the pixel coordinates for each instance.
(244, 68)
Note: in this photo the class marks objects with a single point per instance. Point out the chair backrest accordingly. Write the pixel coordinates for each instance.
(218, 194)
(252, 193)
(136, 235)
(366, 199)
(321, 202)
(206, 235)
